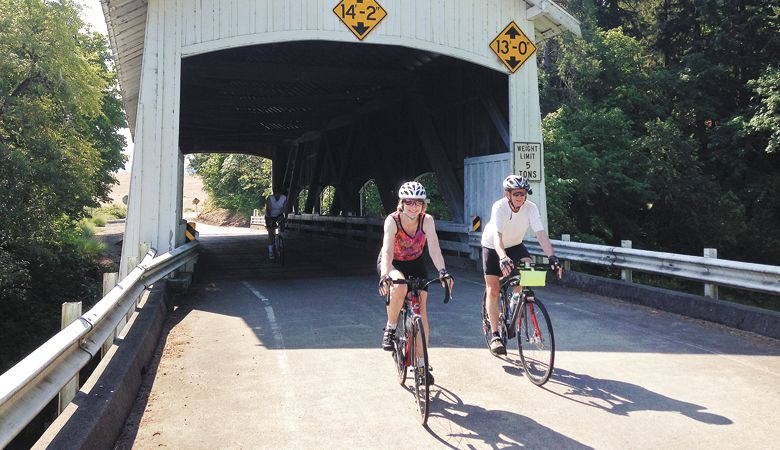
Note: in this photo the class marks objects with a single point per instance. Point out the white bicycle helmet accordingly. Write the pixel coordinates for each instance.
(517, 182)
(412, 190)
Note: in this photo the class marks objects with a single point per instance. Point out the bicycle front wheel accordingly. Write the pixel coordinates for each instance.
(399, 354)
(420, 368)
(536, 341)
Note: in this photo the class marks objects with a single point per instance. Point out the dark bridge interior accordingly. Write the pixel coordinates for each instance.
(342, 114)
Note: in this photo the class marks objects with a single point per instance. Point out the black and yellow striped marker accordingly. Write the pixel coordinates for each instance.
(189, 233)
(475, 223)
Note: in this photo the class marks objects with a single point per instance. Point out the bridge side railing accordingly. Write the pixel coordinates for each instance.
(707, 270)
(452, 236)
(27, 387)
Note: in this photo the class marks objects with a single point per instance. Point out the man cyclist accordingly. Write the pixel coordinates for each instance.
(405, 234)
(275, 209)
(502, 243)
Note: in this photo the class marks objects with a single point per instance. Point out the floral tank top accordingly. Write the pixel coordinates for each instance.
(406, 247)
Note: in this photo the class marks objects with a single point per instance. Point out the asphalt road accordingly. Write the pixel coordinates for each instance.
(259, 356)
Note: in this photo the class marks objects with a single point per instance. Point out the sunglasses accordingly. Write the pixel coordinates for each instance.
(519, 194)
(413, 202)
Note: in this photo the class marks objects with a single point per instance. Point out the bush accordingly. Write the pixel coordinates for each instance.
(108, 212)
(99, 221)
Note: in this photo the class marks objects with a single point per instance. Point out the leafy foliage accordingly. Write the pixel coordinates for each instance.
(326, 199)
(59, 147)
(233, 181)
(370, 201)
(661, 126)
(438, 206)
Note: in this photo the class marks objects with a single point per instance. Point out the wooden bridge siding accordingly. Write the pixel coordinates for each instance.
(155, 200)
(461, 28)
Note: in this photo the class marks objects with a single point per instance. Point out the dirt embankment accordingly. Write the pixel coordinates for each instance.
(223, 218)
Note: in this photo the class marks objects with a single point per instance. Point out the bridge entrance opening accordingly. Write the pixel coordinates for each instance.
(340, 114)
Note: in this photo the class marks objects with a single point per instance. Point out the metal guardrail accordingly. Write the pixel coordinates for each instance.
(370, 228)
(741, 275)
(750, 276)
(27, 387)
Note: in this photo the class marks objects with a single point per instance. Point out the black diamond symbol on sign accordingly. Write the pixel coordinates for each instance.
(513, 62)
(360, 28)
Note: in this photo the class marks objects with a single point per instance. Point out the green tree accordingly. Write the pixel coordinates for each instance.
(59, 147)
(370, 201)
(234, 181)
(438, 206)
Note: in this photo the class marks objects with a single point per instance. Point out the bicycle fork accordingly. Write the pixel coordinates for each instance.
(536, 336)
(411, 340)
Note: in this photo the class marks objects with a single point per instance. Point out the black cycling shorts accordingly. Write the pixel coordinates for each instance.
(490, 260)
(274, 222)
(414, 268)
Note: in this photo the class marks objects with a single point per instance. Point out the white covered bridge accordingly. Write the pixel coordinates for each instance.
(337, 93)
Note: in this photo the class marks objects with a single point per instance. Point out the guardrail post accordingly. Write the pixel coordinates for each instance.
(71, 311)
(143, 247)
(710, 289)
(626, 274)
(566, 263)
(109, 281)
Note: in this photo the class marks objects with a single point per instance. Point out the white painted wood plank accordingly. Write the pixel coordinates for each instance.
(279, 18)
(243, 17)
(438, 22)
(225, 18)
(479, 30)
(450, 23)
(251, 15)
(295, 14)
(206, 20)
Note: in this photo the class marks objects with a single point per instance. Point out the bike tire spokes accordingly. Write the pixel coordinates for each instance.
(401, 355)
(419, 350)
(486, 321)
(536, 342)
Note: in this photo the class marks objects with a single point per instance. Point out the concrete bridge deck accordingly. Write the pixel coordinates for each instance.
(293, 361)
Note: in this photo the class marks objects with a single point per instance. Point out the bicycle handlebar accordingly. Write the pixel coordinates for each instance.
(420, 284)
(529, 266)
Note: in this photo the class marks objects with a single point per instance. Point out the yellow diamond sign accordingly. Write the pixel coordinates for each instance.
(512, 47)
(360, 16)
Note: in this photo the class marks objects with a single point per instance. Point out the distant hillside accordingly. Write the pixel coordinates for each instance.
(193, 188)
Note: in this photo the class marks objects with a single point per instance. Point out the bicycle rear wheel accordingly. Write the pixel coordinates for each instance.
(279, 249)
(536, 341)
(399, 354)
(486, 330)
(420, 369)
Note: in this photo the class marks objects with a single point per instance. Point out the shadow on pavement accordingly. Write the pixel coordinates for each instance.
(460, 425)
(621, 398)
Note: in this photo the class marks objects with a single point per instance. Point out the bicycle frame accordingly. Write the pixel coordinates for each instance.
(412, 300)
(526, 297)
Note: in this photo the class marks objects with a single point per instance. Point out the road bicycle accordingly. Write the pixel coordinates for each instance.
(277, 241)
(524, 316)
(411, 348)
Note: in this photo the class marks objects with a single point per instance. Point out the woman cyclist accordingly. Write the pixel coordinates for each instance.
(406, 232)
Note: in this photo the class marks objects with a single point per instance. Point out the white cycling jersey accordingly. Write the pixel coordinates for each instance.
(511, 225)
(277, 206)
